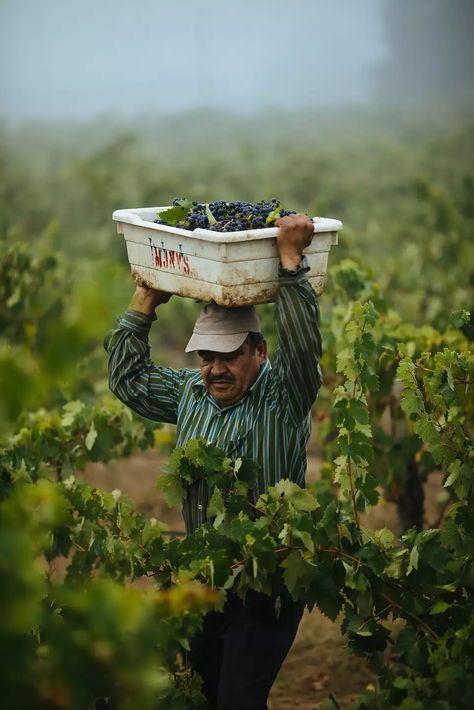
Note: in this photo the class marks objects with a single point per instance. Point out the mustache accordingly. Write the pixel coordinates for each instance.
(220, 378)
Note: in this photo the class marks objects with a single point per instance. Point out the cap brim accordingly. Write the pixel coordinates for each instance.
(215, 342)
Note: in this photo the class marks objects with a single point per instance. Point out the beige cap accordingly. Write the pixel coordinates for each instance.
(223, 330)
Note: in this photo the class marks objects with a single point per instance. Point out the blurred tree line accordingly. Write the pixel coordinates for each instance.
(431, 53)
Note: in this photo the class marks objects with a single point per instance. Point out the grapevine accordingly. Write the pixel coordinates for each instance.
(308, 544)
(99, 601)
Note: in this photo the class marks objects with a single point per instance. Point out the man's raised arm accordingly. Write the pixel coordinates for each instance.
(149, 390)
(296, 372)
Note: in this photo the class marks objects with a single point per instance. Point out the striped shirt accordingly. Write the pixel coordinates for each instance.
(271, 423)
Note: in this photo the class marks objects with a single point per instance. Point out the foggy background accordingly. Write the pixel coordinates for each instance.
(361, 110)
(83, 59)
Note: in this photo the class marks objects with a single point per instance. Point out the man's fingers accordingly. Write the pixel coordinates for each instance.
(149, 292)
(295, 227)
(139, 280)
(295, 221)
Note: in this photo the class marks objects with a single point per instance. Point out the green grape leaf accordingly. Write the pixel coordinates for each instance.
(384, 538)
(440, 607)
(212, 220)
(91, 437)
(459, 318)
(153, 529)
(351, 412)
(260, 547)
(299, 498)
(413, 561)
(177, 213)
(356, 445)
(247, 471)
(216, 507)
(327, 579)
(345, 364)
(72, 409)
(454, 471)
(273, 215)
(172, 489)
(305, 538)
(294, 566)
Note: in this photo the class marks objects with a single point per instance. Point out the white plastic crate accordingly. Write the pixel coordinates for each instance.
(230, 268)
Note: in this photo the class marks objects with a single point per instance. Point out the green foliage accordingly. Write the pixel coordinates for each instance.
(55, 444)
(429, 571)
(396, 405)
(199, 460)
(31, 281)
(437, 399)
(306, 544)
(177, 213)
(372, 348)
(68, 644)
(50, 330)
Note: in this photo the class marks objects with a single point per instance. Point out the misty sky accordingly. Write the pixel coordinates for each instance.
(80, 58)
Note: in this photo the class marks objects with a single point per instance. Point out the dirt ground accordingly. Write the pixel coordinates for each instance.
(318, 663)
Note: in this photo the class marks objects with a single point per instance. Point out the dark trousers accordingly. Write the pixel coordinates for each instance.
(240, 650)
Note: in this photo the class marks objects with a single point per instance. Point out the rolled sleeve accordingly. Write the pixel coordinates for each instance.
(296, 375)
(148, 389)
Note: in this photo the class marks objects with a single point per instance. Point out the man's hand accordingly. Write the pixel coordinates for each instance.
(295, 233)
(146, 299)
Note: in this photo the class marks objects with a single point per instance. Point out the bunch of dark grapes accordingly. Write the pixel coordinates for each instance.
(232, 216)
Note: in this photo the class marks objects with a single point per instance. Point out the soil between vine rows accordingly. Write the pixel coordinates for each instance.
(318, 662)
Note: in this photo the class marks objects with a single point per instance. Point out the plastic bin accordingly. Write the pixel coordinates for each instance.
(232, 269)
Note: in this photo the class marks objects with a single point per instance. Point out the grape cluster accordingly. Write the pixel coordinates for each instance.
(231, 216)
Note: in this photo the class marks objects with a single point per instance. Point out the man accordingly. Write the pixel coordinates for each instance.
(241, 403)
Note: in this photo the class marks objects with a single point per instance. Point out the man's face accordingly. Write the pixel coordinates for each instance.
(228, 376)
